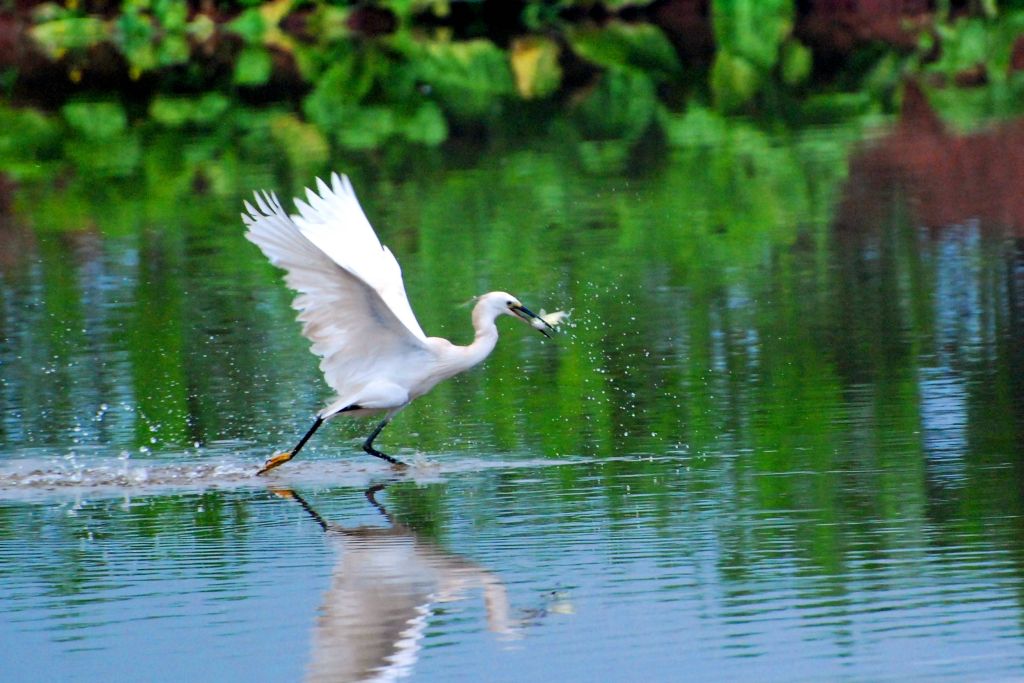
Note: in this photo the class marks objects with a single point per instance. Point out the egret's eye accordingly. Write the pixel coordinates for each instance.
(509, 304)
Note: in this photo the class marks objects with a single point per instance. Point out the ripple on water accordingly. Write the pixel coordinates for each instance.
(37, 477)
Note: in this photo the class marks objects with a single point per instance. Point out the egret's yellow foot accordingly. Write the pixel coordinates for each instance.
(279, 459)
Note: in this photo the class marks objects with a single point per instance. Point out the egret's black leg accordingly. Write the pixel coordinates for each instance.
(282, 458)
(302, 442)
(368, 446)
(371, 495)
(288, 493)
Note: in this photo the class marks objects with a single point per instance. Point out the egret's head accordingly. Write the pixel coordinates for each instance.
(503, 303)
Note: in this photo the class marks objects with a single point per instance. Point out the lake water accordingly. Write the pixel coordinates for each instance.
(780, 439)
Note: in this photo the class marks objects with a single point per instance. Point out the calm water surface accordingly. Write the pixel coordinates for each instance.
(781, 439)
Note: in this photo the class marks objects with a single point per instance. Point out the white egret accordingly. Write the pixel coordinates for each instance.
(353, 308)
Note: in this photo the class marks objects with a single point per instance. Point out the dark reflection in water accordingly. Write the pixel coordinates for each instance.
(372, 622)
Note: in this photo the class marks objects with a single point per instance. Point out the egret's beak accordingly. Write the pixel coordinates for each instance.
(532, 319)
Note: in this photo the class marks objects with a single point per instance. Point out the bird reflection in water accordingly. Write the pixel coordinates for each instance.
(386, 584)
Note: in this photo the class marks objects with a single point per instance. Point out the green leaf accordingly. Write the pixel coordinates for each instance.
(836, 107)
(135, 35)
(641, 46)
(249, 25)
(734, 80)
(173, 50)
(796, 62)
(303, 143)
(253, 66)
(201, 28)
(427, 125)
(344, 84)
(698, 127)
(534, 62)
(60, 35)
(26, 134)
(175, 112)
(96, 120)
(467, 77)
(172, 14)
(621, 107)
(365, 127)
(118, 158)
(752, 29)
(603, 156)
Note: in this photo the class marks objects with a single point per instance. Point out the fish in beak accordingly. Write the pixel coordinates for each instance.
(537, 322)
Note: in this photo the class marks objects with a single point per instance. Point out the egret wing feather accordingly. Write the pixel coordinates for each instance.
(350, 325)
(334, 221)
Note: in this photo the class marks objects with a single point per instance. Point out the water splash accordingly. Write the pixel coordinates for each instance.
(75, 474)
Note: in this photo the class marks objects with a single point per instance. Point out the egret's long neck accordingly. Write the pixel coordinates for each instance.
(451, 359)
(485, 340)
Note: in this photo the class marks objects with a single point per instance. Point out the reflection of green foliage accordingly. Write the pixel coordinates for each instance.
(27, 139)
(622, 106)
(302, 143)
(730, 192)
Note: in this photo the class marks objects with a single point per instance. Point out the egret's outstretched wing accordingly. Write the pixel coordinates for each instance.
(334, 222)
(351, 326)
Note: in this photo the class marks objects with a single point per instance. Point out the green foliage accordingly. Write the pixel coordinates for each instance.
(734, 80)
(305, 147)
(622, 106)
(469, 79)
(26, 134)
(153, 35)
(979, 50)
(412, 85)
(534, 61)
(96, 120)
(250, 25)
(796, 62)
(29, 141)
(175, 112)
(969, 43)
(753, 29)
(253, 66)
(752, 37)
(59, 35)
(425, 124)
(640, 46)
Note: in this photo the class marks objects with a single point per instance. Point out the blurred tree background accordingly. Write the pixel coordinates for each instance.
(315, 78)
